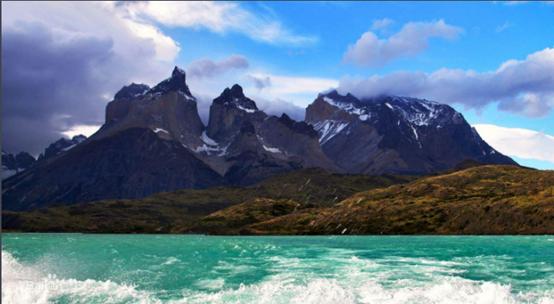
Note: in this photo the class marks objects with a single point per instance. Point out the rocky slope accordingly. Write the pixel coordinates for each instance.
(168, 109)
(133, 163)
(395, 135)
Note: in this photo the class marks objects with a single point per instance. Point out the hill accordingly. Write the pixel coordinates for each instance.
(489, 199)
(180, 211)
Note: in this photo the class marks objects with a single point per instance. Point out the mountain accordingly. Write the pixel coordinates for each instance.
(60, 146)
(154, 141)
(390, 134)
(13, 164)
(133, 163)
(169, 110)
(252, 145)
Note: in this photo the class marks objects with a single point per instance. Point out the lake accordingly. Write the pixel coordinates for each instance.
(82, 268)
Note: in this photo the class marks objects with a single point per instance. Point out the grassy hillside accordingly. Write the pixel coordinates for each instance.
(479, 200)
(181, 211)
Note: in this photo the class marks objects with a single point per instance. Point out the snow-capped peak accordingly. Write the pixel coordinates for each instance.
(417, 112)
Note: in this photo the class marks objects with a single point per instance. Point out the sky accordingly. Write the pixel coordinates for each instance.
(62, 62)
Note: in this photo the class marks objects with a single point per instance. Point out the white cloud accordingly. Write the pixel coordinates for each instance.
(283, 85)
(523, 143)
(412, 39)
(300, 91)
(86, 130)
(520, 86)
(209, 68)
(381, 24)
(219, 17)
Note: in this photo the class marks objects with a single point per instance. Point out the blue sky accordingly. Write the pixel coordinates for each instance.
(491, 61)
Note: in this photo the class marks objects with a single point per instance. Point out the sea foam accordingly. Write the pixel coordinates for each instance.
(22, 283)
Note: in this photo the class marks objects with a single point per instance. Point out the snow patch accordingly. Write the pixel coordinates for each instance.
(205, 138)
(157, 130)
(328, 129)
(210, 146)
(271, 149)
(69, 148)
(347, 107)
(245, 109)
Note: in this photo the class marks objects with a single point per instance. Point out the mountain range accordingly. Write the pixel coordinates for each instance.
(153, 140)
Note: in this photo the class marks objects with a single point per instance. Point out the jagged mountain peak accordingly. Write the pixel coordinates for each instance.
(390, 133)
(178, 72)
(61, 145)
(413, 111)
(177, 82)
(336, 96)
(131, 91)
(14, 163)
(234, 96)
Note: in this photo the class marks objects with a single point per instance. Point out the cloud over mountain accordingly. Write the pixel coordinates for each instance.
(521, 86)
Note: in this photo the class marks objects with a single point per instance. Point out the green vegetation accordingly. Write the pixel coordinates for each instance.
(478, 200)
(181, 211)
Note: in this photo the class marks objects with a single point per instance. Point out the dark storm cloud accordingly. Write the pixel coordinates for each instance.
(48, 85)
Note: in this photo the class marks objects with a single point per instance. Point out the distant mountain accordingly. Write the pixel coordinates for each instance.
(132, 163)
(60, 146)
(390, 134)
(13, 164)
(153, 141)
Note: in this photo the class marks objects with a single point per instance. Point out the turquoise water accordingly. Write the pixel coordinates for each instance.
(77, 268)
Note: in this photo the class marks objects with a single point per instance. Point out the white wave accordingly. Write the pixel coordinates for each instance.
(322, 291)
(22, 283)
(211, 284)
(171, 261)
